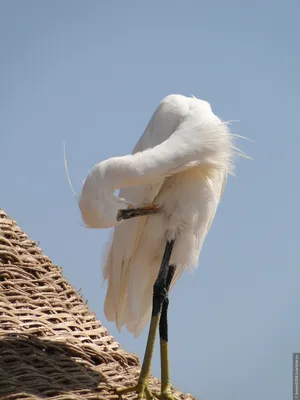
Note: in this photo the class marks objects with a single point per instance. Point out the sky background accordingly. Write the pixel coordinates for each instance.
(91, 73)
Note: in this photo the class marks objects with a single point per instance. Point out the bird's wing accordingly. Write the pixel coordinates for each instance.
(136, 325)
(165, 120)
(219, 191)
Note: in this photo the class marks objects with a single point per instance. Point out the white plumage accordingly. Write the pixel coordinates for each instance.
(181, 162)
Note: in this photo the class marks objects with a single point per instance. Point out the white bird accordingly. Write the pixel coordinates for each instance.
(173, 182)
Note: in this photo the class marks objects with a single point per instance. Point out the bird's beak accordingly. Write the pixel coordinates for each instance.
(138, 212)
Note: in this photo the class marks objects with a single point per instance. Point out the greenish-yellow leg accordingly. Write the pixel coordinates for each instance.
(142, 386)
(164, 346)
(160, 292)
(165, 372)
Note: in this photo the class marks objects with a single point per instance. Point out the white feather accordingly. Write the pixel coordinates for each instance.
(181, 162)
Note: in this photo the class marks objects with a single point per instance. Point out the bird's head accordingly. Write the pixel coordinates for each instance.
(98, 205)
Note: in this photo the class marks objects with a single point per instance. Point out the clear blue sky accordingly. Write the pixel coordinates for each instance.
(91, 73)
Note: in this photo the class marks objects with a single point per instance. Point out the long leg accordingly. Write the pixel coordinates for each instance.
(163, 334)
(159, 296)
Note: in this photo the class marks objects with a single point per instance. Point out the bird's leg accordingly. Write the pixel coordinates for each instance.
(159, 296)
(131, 212)
(163, 335)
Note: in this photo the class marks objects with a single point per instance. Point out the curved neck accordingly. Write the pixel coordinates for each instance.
(176, 154)
(98, 204)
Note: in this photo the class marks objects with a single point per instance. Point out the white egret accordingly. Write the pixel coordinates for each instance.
(173, 182)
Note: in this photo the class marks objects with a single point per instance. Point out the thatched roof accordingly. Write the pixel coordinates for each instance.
(51, 345)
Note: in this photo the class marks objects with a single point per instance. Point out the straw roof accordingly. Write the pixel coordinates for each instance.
(51, 345)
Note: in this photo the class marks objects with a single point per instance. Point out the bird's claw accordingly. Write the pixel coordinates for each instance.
(164, 396)
(166, 392)
(142, 390)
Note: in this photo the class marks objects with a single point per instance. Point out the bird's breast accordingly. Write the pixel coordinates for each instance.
(189, 200)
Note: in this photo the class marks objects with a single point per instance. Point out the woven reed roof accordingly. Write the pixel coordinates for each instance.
(51, 345)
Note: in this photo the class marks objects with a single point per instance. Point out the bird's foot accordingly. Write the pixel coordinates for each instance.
(142, 390)
(166, 394)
